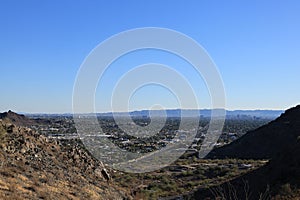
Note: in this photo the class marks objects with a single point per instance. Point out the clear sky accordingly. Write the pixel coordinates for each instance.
(255, 44)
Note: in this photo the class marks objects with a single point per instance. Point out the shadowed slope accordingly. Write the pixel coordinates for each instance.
(265, 142)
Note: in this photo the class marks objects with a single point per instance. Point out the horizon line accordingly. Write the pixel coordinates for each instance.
(140, 110)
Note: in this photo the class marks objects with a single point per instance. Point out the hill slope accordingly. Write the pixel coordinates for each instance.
(278, 179)
(16, 119)
(265, 142)
(35, 167)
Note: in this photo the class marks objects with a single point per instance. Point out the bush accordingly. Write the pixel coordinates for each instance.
(286, 189)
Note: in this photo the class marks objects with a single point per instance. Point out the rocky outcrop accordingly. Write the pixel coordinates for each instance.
(16, 119)
(33, 166)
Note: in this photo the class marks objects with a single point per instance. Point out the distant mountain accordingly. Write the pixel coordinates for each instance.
(265, 142)
(21, 120)
(17, 119)
(272, 114)
(278, 179)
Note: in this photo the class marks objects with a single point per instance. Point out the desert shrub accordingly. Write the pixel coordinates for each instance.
(285, 189)
(2, 134)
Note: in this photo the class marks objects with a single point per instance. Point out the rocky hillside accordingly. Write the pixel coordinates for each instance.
(278, 179)
(35, 167)
(266, 142)
(16, 119)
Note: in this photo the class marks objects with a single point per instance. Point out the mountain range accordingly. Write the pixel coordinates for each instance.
(272, 114)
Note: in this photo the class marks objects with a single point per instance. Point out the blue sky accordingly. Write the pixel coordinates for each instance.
(255, 44)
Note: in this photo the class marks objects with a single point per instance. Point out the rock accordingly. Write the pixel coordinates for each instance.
(97, 172)
(105, 174)
(23, 151)
(42, 138)
(9, 128)
(76, 157)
